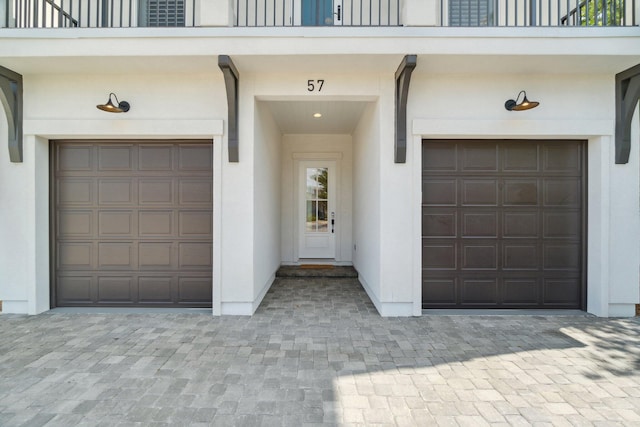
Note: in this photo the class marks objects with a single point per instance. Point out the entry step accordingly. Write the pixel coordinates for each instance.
(317, 270)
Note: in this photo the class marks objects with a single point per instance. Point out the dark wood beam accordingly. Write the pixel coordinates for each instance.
(11, 98)
(231, 82)
(403, 78)
(627, 96)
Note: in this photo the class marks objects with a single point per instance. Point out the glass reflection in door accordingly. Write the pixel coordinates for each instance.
(317, 197)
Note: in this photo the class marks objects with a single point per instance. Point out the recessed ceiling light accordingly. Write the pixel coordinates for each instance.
(317, 115)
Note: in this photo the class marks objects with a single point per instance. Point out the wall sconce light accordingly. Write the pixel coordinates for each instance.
(512, 105)
(110, 107)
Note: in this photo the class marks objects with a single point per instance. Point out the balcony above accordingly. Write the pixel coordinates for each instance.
(317, 13)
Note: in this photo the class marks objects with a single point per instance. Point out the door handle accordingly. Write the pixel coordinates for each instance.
(333, 217)
(339, 13)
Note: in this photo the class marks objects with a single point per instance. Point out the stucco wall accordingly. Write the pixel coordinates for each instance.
(153, 96)
(237, 204)
(625, 229)
(396, 190)
(15, 200)
(476, 97)
(366, 201)
(267, 152)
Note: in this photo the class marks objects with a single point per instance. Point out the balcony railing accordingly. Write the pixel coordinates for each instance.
(549, 13)
(98, 13)
(286, 13)
(293, 13)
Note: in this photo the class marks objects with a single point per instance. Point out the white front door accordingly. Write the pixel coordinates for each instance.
(317, 220)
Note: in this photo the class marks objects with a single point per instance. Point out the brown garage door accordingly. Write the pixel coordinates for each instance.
(503, 224)
(132, 223)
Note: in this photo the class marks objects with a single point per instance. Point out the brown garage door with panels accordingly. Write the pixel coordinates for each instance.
(503, 224)
(132, 223)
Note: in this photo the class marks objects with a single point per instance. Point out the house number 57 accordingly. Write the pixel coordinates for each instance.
(315, 85)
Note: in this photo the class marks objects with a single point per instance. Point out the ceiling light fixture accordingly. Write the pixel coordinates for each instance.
(317, 115)
(110, 107)
(512, 105)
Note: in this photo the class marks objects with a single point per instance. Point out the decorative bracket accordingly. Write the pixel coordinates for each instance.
(11, 98)
(231, 81)
(403, 78)
(627, 96)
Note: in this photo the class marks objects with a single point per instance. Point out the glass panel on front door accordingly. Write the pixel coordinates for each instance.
(316, 207)
(317, 200)
(317, 12)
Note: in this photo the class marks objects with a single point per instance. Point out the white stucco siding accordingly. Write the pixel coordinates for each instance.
(15, 201)
(153, 96)
(267, 152)
(137, 45)
(613, 259)
(480, 97)
(237, 276)
(367, 201)
(24, 230)
(39, 285)
(396, 215)
(624, 258)
(599, 164)
(237, 238)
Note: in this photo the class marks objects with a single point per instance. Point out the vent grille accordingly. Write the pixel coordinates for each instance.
(165, 13)
(471, 13)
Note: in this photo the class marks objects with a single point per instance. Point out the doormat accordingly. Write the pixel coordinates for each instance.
(317, 266)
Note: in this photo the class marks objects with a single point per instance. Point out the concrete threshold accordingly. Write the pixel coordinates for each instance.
(129, 310)
(501, 312)
(317, 271)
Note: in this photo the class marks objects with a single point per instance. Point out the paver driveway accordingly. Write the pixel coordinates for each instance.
(316, 352)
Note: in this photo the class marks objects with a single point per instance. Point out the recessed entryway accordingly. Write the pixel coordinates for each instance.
(503, 224)
(309, 148)
(132, 223)
(314, 143)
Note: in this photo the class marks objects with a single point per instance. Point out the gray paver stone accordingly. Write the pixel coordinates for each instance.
(316, 353)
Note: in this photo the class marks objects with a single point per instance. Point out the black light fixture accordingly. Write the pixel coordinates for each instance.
(110, 107)
(512, 105)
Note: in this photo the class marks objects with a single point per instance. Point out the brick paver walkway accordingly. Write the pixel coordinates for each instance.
(317, 353)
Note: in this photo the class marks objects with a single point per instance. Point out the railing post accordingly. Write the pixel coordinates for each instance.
(421, 13)
(214, 13)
